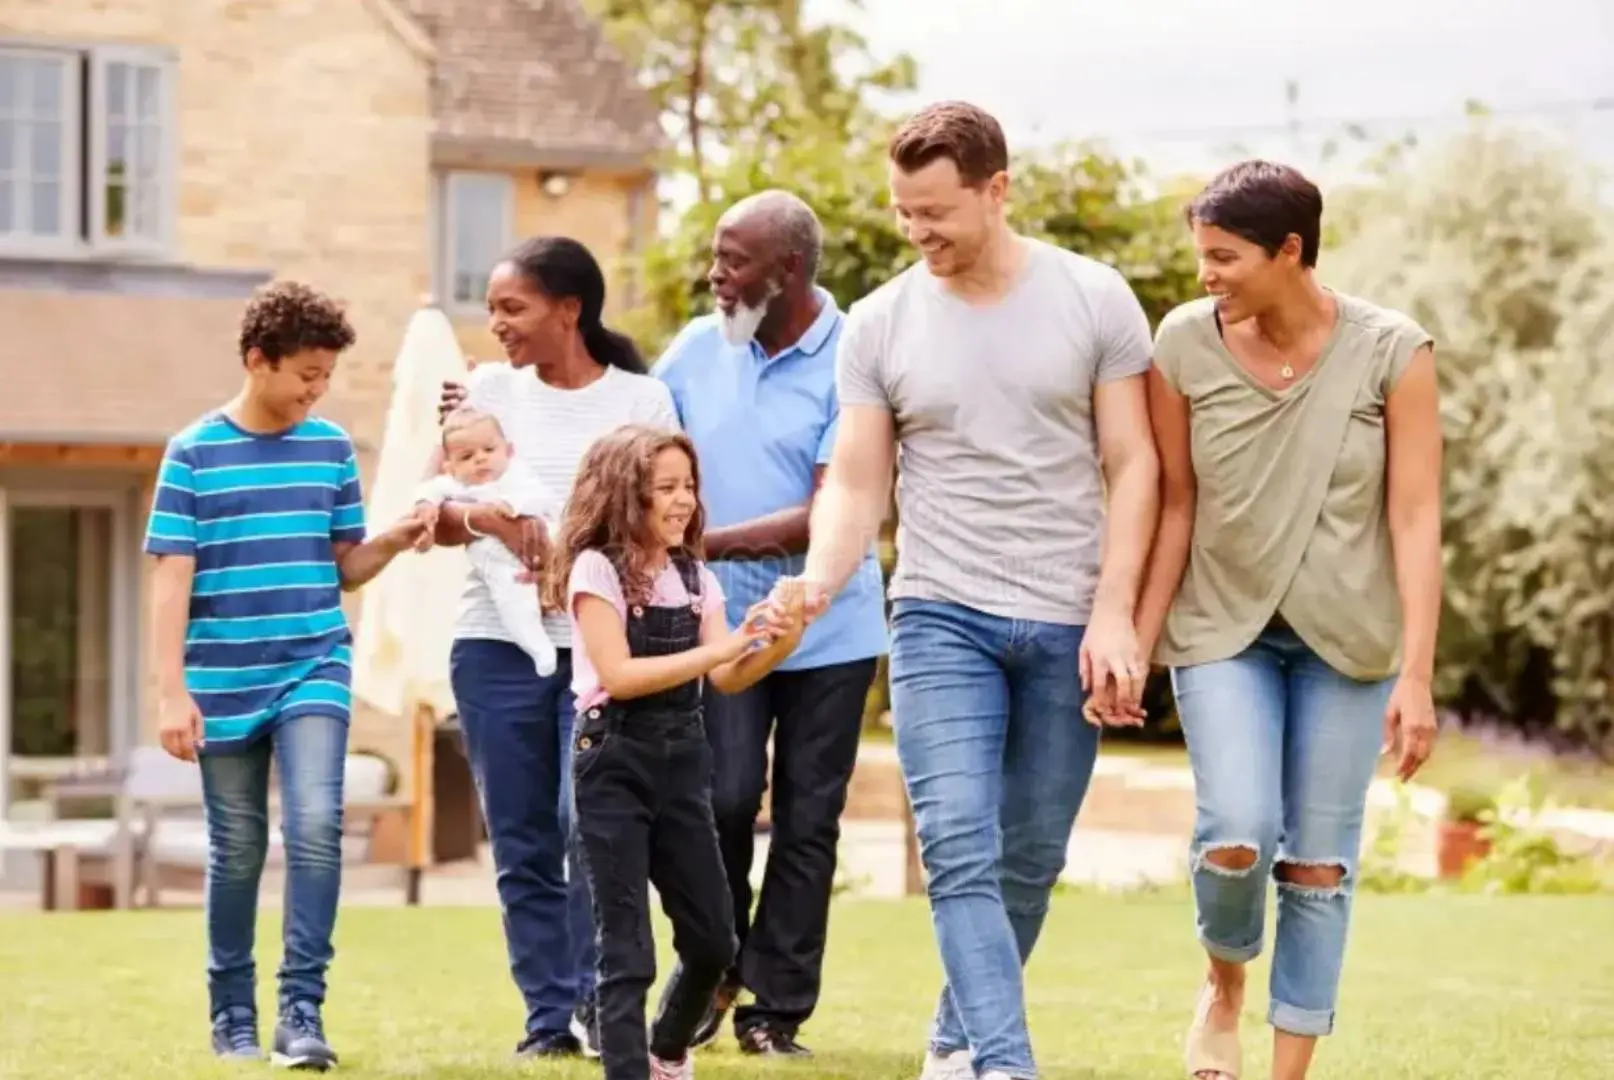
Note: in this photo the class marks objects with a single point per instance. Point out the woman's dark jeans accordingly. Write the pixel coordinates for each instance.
(518, 736)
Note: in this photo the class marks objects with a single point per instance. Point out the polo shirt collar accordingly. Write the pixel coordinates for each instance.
(816, 335)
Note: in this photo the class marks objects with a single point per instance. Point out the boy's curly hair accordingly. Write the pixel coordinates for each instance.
(285, 317)
(607, 512)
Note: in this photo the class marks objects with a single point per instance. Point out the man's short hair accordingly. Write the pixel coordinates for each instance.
(286, 317)
(965, 134)
(790, 220)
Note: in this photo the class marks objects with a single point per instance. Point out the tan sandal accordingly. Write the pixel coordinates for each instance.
(1211, 1055)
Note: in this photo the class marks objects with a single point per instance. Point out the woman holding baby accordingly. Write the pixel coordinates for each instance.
(568, 381)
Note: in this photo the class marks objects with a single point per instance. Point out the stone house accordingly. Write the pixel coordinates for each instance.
(160, 159)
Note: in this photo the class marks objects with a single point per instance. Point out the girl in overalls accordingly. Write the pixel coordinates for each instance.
(648, 617)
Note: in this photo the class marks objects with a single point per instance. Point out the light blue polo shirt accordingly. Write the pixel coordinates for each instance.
(760, 425)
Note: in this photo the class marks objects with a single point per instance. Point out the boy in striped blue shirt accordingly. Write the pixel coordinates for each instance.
(257, 528)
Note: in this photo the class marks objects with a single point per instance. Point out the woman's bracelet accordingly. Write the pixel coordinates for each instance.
(466, 517)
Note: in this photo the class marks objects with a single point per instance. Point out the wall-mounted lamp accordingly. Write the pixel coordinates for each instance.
(554, 184)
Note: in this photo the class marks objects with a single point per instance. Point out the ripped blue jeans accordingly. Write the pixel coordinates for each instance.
(1283, 749)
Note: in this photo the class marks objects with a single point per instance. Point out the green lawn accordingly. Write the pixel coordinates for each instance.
(1436, 986)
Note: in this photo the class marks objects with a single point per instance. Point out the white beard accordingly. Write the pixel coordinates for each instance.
(740, 327)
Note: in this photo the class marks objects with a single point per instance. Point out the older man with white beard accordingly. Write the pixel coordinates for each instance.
(754, 384)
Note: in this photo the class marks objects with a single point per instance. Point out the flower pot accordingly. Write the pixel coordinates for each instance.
(1458, 843)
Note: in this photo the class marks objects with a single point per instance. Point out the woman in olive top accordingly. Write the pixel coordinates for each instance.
(1293, 590)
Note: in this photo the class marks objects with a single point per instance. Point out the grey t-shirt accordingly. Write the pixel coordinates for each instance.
(999, 492)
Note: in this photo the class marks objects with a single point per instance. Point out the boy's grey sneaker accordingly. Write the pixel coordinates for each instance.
(235, 1033)
(300, 1039)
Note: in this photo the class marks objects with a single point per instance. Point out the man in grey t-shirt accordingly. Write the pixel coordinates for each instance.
(1003, 378)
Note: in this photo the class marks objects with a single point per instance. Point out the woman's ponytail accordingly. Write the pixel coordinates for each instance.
(613, 349)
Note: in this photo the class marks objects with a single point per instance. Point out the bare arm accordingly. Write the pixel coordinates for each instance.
(170, 616)
(1168, 557)
(852, 501)
(624, 676)
(358, 564)
(783, 532)
(1132, 475)
(1413, 468)
(747, 669)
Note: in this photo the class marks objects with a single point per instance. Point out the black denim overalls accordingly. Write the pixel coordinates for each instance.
(643, 773)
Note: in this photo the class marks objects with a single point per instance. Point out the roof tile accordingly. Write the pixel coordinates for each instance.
(535, 72)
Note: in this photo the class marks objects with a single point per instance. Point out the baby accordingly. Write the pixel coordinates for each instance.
(476, 468)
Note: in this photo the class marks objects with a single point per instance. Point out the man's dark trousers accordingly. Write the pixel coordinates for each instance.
(815, 716)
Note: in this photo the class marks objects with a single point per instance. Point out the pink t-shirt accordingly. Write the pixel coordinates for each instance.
(593, 573)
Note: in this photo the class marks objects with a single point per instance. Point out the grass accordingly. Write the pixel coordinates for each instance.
(1435, 986)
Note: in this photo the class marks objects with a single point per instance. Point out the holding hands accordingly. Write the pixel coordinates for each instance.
(1114, 671)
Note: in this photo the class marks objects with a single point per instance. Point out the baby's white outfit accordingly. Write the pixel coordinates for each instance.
(495, 564)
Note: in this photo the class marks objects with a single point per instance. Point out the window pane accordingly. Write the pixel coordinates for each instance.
(117, 90)
(117, 208)
(45, 150)
(478, 213)
(61, 583)
(117, 179)
(146, 85)
(34, 143)
(47, 208)
(149, 138)
(133, 141)
(47, 88)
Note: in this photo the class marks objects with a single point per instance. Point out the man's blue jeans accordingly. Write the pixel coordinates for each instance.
(518, 736)
(997, 758)
(309, 752)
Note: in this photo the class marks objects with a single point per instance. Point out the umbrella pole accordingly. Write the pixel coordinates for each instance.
(423, 728)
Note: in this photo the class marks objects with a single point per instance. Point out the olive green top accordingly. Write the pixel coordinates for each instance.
(1290, 518)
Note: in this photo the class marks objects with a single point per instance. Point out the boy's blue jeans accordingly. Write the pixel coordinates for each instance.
(309, 752)
(1283, 749)
(997, 757)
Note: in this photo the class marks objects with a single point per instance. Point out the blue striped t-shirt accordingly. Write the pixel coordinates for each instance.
(267, 639)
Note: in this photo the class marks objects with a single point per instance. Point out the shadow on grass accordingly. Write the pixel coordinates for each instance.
(830, 1065)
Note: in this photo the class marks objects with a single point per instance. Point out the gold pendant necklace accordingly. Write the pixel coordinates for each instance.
(1287, 372)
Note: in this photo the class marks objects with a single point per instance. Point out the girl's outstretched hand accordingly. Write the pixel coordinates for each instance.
(742, 639)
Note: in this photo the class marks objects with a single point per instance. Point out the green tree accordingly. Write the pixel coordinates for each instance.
(1504, 250)
(746, 79)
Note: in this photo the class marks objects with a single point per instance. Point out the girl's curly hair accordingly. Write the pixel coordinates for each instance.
(609, 508)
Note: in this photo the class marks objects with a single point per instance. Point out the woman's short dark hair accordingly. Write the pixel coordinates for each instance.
(1264, 202)
(563, 269)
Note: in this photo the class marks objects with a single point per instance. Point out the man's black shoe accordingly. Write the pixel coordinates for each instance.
(549, 1044)
(766, 1041)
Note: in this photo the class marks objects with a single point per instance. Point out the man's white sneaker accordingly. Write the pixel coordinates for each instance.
(952, 1066)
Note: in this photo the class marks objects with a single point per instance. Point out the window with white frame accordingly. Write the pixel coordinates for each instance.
(86, 138)
(476, 220)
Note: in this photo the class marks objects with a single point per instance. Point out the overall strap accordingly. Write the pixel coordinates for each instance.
(690, 573)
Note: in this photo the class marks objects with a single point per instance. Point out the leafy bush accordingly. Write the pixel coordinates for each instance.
(1500, 246)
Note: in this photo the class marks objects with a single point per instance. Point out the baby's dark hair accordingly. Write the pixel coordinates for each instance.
(285, 317)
